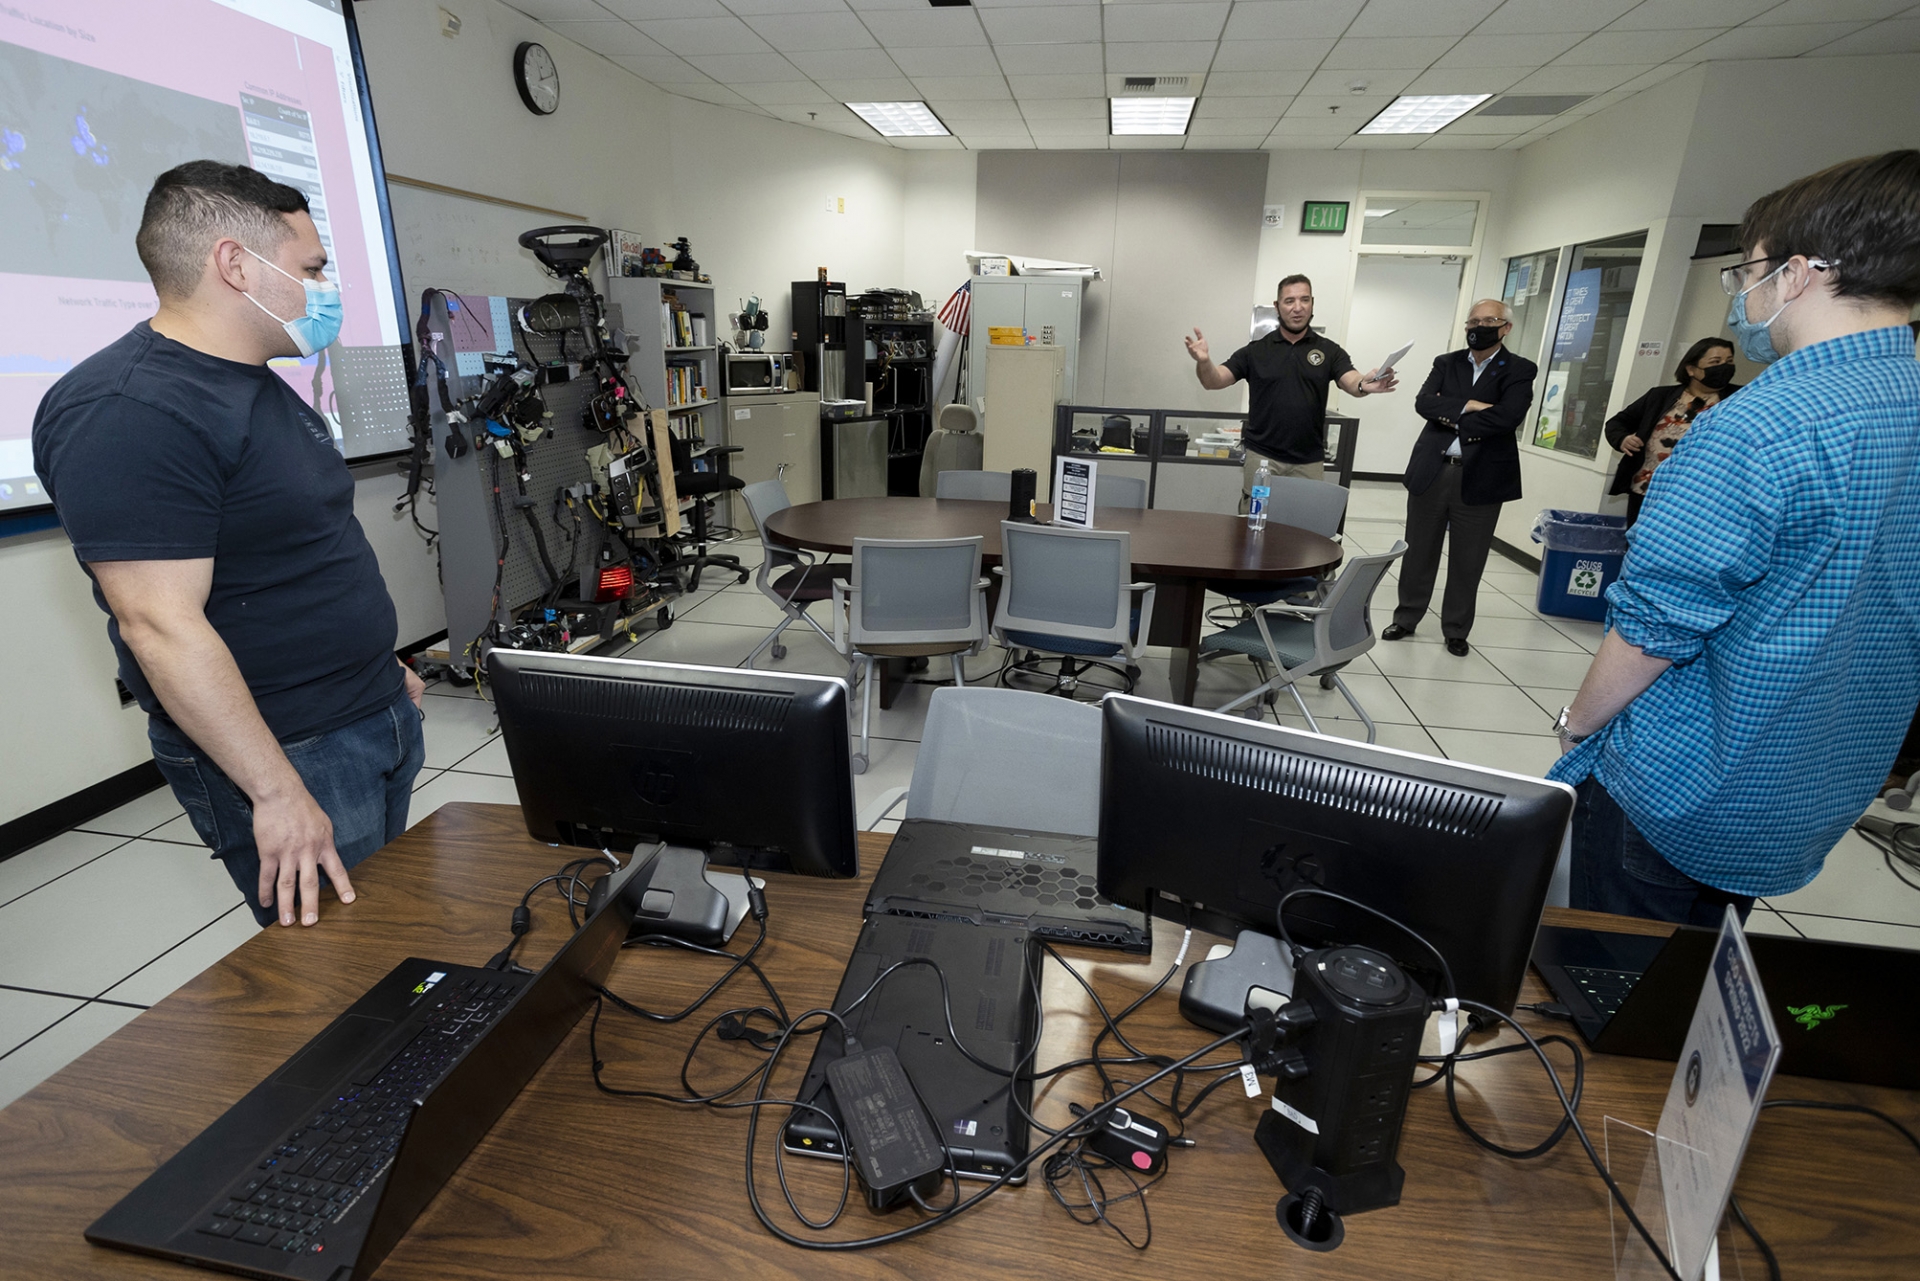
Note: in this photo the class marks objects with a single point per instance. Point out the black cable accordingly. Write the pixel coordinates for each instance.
(1294, 949)
(1746, 1225)
(1898, 843)
(1559, 1131)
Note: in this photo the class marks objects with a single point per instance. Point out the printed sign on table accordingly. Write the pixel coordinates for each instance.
(1073, 480)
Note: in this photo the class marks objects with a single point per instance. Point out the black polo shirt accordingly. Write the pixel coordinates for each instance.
(1287, 388)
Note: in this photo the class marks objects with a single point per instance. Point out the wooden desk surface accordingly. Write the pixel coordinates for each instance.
(573, 1183)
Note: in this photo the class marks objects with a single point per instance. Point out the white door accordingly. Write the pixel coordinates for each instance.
(1396, 300)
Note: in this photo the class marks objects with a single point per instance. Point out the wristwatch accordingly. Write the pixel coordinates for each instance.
(1560, 729)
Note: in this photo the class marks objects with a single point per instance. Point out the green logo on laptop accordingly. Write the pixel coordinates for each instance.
(1813, 1015)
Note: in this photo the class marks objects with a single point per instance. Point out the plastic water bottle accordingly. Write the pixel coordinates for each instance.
(1257, 504)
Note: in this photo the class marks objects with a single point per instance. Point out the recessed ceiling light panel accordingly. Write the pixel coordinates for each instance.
(1423, 113)
(900, 119)
(1149, 115)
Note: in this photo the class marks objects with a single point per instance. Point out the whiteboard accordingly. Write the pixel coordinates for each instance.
(468, 246)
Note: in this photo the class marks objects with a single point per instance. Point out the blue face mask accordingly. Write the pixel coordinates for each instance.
(320, 324)
(1756, 343)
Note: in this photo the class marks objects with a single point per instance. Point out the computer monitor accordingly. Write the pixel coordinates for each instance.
(1225, 815)
(745, 765)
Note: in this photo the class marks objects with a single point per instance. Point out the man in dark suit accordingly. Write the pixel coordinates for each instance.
(1464, 465)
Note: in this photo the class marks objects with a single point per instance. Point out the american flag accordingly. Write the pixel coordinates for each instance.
(954, 315)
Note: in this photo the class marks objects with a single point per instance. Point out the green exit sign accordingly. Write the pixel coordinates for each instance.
(1324, 215)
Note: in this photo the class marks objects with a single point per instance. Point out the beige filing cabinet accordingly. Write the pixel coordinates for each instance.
(781, 437)
(1023, 384)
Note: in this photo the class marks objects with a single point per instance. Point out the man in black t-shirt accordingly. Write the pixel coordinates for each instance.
(1287, 373)
(215, 518)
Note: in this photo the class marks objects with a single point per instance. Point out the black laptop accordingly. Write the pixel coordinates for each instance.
(1844, 1011)
(320, 1170)
(993, 974)
(1041, 881)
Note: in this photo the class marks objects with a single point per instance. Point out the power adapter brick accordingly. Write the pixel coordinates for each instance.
(889, 1138)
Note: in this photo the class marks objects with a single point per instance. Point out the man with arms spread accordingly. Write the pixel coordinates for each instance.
(1762, 655)
(1287, 372)
(215, 517)
(1464, 465)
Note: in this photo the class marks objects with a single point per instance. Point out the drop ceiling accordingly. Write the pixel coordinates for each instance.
(1023, 74)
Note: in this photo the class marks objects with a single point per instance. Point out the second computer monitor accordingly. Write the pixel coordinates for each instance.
(1225, 815)
(746, 765)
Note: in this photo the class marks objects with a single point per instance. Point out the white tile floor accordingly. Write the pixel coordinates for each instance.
(157, 911)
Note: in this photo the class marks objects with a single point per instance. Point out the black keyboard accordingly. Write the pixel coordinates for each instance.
(322, 1166)
(1606, 990)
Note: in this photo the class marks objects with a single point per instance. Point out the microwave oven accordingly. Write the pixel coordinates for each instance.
(756, 373)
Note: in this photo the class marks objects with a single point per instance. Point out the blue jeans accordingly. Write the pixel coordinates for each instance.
(1616, 870)
(361, 775)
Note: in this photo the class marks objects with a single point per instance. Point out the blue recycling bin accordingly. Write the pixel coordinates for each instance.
(1582, 558)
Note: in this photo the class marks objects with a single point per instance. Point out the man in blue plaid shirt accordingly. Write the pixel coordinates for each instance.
(1762, 656)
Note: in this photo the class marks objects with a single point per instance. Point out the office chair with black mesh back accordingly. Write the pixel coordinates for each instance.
(701, 486)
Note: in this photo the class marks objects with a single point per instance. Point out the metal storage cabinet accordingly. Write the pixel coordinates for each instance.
(1025, 302)
(781, 437)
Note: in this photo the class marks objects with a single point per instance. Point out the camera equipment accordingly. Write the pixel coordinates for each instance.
(683, 256)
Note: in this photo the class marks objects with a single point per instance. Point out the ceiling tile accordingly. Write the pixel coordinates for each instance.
(1508, 51)
(1680, 15)
(755, 8)
(1235, 142)
(657, 10)
(662, 71)
(924, 28)
(1447, 141)
(869, 89)
(1066, 128)
(1065, 109)
(1354, 109)
(1559, 79)
(1174, 22)
(962, 86)
(577, 10)
(1383, 142)
(1773, 42)
(1022, 143)
(1147, 142)
(1901, 35)
(1411, 52)
(1303, 142)
(1651, 47)
(745, 68)
(1075, 142)
(955, 60)
(1525, 17)
(1794, 12)
(793, 33)
(1338, 82)
(1290, 19)
(927, 144)
(1272, 55)
(706, 35)
(609, 37)
(1261, 125)
(1253, 83)
(1465, 80)
(719, 95)
(885, 6)
(1649, 79)
(1318, 127)
(1037, 24)
(1187, 57)
(1420, 17)
(1061, 86)
(1051, 59)
(846, 64)
(1506, 126)
(1243, 108)
(785, 93)
(974, 112)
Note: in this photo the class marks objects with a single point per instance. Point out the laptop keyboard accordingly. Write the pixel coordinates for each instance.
(1606, 989)
(321, 1167)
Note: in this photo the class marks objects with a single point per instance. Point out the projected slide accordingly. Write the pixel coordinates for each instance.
(97, 98)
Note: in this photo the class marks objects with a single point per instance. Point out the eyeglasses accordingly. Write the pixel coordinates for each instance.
(1732, 278)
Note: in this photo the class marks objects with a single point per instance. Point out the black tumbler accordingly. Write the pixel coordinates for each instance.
(1020, 504)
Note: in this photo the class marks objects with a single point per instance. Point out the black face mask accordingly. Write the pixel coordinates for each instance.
(1482, 337)
(1716, 376)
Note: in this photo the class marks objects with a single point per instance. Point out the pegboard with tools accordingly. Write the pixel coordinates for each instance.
(527, 523)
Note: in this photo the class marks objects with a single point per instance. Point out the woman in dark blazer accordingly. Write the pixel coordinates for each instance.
(1646, 431)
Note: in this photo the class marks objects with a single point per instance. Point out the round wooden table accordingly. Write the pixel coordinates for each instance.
(1181, 551)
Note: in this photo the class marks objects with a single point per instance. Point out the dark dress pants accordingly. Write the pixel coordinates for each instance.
(1468, 530)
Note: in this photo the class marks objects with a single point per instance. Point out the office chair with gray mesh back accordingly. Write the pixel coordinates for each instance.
(1003, 758)
(1066, 593)
(908, 598)
(1316, 506)
(789, 578)
(1299, 641)
(1120, 491)
(980, 486)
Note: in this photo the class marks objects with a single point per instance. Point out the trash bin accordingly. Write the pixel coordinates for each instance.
(1584, 551)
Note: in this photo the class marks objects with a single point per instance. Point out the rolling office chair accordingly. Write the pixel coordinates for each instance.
(791, 579)
(1066, 593)
(1120, 491)
(978, 486)
(701, 486)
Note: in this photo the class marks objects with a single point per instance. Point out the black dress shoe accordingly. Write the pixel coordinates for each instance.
(1396, 632)
(1457, 646)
